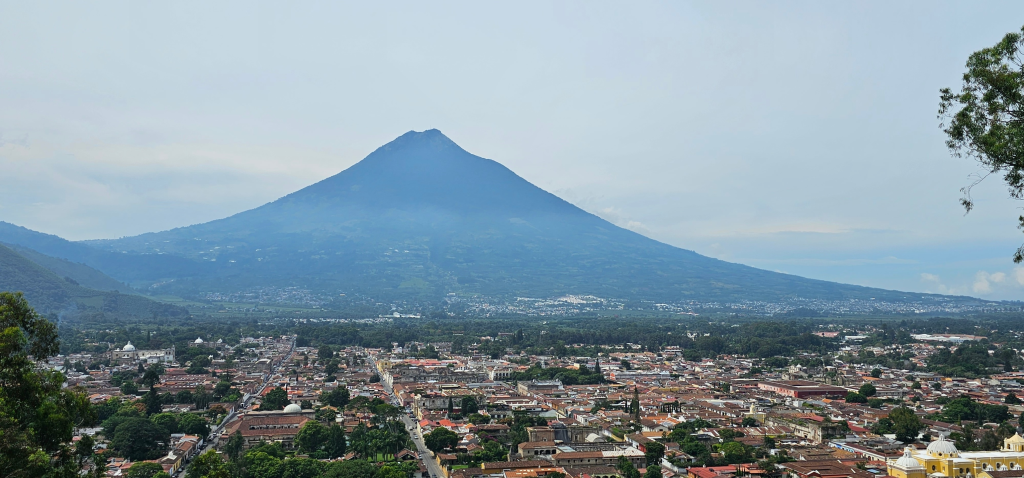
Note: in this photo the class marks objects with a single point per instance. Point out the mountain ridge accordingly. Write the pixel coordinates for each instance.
(421, 217)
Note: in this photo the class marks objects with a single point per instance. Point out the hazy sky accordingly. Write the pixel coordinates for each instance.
(797, 137)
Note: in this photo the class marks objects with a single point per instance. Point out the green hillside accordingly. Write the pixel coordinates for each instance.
(51, 294)
(80, 273)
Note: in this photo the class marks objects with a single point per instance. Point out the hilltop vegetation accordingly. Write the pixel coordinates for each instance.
(54, 295)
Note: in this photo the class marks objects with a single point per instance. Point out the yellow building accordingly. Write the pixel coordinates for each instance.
(943, 460)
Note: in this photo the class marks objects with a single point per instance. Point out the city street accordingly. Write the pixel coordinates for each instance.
(426, 456)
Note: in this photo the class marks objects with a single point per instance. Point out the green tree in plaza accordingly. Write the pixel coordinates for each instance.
(275, 399)
(985, 120)
(37, 415)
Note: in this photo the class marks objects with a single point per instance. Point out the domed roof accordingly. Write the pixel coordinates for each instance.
(128, 347)
(942, 447)
(907, 462)
(199, 340)
(292, 408)
(1015, 439)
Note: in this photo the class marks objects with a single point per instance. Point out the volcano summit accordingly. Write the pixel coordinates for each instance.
(420, 217)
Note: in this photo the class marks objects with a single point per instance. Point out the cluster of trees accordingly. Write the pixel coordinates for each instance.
(966, 409)
(271, 461)
(983, 439)
(37, 414)
(902, 422)
(973, 359)
(138, 432)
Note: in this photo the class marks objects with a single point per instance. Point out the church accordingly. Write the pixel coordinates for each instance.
(129, 355)
(942, 460)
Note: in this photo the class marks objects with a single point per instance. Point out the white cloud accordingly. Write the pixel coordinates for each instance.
(981, 283)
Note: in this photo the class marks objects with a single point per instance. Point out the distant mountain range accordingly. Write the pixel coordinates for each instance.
(68, 295)
(421, 218)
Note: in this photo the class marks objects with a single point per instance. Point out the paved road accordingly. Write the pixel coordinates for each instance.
(426, 456)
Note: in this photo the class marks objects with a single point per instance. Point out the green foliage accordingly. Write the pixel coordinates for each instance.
(233, 448)
(655, 451)
(339, 397)
(626, 468)
(653, 471)
(37, 415)
(854, 397)
(350, 469)
(440, 438)
(335, 445)
(275, 399)
(971, 359)
(193, 424)
(984, 120)
(208, 464)
(867, 389)
(140, 439)
(144, 470)
(469, 405)
(964, 408)
(53, 294)
(312, 437)
(906, 425)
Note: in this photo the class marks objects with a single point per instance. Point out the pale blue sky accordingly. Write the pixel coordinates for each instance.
(798, 137)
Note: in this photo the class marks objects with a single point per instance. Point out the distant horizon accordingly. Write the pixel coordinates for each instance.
(798, 137)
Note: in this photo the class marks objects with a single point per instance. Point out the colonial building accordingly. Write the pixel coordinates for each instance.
(270, 426)
(942, 459)
(129, 355)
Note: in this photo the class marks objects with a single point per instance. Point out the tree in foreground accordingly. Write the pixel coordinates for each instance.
(985, 120)
(37, 415)
(208, 465)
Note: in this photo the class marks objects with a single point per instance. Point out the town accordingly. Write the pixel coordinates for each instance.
(928, 404)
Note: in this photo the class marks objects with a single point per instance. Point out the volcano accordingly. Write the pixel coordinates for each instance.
(421, 217)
